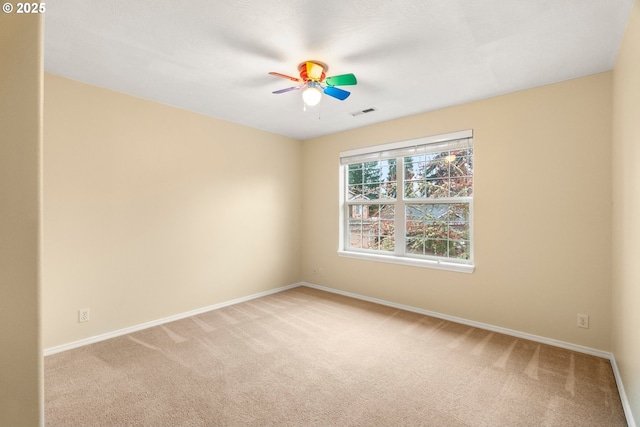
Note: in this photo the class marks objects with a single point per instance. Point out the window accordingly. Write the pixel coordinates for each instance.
(410, 202)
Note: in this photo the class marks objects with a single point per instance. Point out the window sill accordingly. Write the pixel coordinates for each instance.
(424, 263)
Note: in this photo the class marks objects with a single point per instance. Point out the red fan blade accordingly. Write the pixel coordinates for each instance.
(284, 76)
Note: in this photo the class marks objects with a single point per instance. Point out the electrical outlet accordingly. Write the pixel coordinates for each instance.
(583, 321)
(83, 315)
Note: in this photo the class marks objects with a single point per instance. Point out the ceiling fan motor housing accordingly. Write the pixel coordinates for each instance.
(303, 69)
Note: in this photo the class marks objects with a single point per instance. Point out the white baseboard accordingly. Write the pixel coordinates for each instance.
(511, 332)
(131, 329)
(623, 395)
(479, 325)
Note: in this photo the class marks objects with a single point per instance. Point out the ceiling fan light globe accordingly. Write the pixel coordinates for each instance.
(311, 96)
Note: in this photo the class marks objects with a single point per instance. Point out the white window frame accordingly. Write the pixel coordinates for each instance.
(399, 150)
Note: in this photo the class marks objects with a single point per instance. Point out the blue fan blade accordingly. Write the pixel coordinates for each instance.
(287, 89)
(336, 93)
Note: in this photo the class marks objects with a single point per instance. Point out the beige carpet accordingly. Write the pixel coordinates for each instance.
(310, 358)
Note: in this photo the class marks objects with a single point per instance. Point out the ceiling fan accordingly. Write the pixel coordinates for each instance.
(314, 81)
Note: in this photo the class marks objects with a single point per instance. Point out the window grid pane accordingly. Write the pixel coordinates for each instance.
(370, 227)
(372, 180)
(437, 175)
(438, 229)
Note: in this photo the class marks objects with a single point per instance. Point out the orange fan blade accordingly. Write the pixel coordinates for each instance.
(284, 76)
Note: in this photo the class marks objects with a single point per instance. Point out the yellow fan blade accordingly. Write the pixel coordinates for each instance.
(314, 71)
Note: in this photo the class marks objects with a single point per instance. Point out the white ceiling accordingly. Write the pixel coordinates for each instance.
(410, 56)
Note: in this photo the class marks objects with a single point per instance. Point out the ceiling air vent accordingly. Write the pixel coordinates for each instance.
(361, 112)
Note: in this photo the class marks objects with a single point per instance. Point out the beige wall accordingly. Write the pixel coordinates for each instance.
(20, 144)
(142, 204)
(542, 214)
(152, 211)
(626, 211)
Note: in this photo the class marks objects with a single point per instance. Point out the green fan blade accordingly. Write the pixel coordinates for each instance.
(336, 93)
(341, 80)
